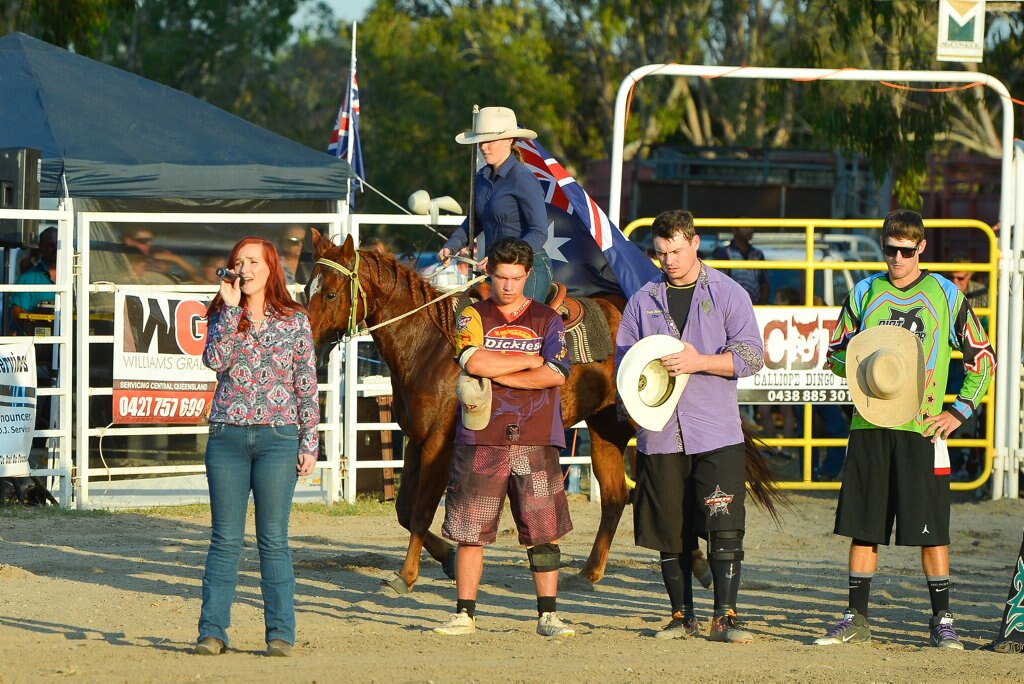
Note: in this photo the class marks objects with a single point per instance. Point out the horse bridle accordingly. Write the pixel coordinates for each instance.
(356, 292)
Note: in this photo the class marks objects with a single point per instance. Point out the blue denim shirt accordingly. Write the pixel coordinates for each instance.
(721, 319)
(509, 203)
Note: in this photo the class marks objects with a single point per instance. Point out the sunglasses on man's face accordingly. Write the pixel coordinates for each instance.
(907, 252)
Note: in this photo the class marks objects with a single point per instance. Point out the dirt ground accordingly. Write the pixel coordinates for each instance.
(116, 598)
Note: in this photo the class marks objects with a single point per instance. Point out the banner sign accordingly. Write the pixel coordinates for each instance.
(17, 407)
(795, 346)
(961, 31)
(159, 376)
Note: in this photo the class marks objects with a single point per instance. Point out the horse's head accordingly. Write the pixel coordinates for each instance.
(335, 297)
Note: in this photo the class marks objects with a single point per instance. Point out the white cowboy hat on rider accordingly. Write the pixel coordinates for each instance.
(494, 123)
(648, 392)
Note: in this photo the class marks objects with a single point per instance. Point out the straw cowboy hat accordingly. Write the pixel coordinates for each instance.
(885, 370)
(648, 392)
(494, 123)
(475, 395)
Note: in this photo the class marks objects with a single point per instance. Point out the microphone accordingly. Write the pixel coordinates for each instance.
(227, 275)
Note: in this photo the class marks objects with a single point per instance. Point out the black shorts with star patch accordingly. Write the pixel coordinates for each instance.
(681, 493)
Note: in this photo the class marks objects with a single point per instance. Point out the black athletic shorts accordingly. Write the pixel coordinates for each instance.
(682, 493)
(890, 476)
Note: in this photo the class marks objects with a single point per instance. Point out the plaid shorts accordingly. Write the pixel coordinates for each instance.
(481, 476)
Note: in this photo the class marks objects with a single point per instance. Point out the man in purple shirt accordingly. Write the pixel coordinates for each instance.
(690, 474)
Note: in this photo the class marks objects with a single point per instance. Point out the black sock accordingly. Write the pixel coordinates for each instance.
(860, 590)
(675, 583)
(468, 605)
(545, 604)
(727, 584)
(686, 567)
(938, 592)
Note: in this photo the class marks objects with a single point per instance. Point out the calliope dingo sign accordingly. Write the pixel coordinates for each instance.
(961, 31)
(17, 407)
(159, 376)
(795, 347)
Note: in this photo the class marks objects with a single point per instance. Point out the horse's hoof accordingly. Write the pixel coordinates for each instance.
(449, 565)
(702, 571)
(577, 582)
(396, 584)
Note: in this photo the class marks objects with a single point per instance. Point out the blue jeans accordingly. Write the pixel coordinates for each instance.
(260, 458)
(539, 281)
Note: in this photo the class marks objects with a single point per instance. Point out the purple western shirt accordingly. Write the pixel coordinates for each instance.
(721, 319)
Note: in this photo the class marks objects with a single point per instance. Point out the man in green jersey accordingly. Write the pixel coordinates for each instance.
(901, 472)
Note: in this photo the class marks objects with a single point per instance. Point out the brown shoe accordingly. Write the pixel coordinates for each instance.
(209, 646)
(279, 648)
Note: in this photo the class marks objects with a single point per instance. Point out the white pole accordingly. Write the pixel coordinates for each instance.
(1013, 344)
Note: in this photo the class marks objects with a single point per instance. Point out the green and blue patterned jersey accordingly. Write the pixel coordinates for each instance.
(936, 311)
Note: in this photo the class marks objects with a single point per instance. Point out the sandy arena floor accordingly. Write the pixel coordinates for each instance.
(116, 598)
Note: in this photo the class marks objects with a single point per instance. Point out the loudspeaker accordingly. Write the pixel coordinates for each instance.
(19, 189)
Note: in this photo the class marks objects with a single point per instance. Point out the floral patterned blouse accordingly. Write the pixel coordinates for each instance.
(265, 376)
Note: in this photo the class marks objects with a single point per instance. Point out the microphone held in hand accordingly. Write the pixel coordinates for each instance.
(225, 274)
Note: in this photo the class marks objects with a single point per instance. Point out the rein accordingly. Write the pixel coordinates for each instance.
(356, 290)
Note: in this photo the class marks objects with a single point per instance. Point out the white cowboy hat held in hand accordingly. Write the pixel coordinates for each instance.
(885, 371)
(494, 123)
(648, 392)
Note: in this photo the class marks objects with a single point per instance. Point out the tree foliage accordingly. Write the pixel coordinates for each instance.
(423, 64)
(79, 25)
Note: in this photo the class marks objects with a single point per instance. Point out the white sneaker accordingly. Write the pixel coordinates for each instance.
(549, 625)
(457, 625)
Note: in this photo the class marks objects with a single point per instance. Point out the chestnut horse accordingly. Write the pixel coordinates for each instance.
(348, 287)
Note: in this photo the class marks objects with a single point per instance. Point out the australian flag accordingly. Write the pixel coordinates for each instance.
(588, 252)
(347, 124)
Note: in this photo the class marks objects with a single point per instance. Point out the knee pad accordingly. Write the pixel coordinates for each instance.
(726, 545)
(544, 557)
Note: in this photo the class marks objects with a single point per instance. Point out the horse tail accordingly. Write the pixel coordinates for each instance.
(764, 486)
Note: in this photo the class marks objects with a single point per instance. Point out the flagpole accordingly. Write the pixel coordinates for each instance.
(351, 118)
(471, 218)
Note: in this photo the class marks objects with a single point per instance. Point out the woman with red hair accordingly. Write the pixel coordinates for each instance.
(263, 435)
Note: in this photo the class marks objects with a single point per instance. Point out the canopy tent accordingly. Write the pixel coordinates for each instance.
(113, 134)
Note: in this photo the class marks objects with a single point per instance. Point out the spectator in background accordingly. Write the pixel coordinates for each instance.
(44, 272)
(976, 293)
(289, 246)
(754, 281)
(965, 463)
(139, 240)
(454, 275)
(208, 266)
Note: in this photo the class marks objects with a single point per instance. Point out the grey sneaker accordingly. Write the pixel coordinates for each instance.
(943, 635)
(457, 625)
(279, 648)
(852, 629)
(549, 625)
(724, 628)
(680, 627)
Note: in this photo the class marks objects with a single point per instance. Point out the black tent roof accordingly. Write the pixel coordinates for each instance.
(115, 134)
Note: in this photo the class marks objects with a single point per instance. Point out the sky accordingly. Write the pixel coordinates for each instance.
(348, 10)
